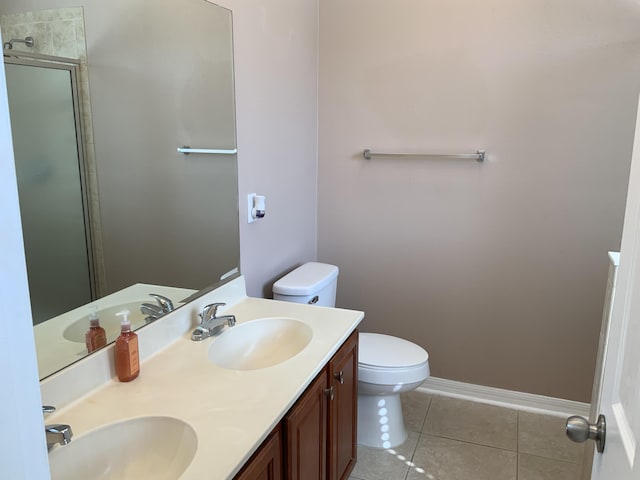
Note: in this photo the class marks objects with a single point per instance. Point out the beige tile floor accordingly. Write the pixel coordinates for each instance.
(452, 439)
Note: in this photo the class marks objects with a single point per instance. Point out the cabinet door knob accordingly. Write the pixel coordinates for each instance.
(339, 376)
(329, 392)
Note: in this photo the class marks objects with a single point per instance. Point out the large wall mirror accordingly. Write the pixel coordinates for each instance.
(101, 96)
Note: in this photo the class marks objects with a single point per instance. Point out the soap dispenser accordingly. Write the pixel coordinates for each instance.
(96, 337)
(126, 351)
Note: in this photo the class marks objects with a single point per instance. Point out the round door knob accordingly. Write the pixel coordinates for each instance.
(579, 430)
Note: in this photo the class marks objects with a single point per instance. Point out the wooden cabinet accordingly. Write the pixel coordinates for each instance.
(266, 463)
(343, 413)
(320, 429)
(306, 433)
(316, 440)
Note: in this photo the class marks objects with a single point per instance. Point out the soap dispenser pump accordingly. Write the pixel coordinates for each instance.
(126, 350)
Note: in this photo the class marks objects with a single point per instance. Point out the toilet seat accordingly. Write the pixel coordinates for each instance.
(387, 360)
(378, 350)
(393, 376)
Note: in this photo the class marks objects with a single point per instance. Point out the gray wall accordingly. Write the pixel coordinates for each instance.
(276, 69)
(497, 269)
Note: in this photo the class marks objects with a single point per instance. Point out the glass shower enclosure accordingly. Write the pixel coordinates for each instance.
(47, 141)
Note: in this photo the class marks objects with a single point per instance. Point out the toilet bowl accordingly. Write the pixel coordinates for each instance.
(387, 366)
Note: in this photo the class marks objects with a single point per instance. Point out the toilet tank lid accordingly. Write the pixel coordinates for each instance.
(378, 350)
(306, 279)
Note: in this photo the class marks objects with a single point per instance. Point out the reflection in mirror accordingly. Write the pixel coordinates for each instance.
(61, 340)
(99, 104)
(51, 184)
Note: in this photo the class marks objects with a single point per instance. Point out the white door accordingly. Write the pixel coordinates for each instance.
(620, 388)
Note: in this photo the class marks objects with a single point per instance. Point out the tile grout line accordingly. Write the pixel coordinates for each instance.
(426, 414)
(551, 458)
(471, 443)
(413, 454)
(419, 433)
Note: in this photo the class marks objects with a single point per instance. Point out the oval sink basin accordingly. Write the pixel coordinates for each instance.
(146, 447)
(108, 320)
(260, 343)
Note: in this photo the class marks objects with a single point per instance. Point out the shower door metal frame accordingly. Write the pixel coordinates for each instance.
(69, 64)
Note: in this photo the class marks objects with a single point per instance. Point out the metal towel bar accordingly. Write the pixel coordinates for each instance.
(479, 155)
(186, 149)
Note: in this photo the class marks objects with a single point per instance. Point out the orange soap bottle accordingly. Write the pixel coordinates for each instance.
(126, 352)
(95, 337)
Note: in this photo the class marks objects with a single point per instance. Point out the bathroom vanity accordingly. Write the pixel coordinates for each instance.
(249, 419)
(317, 437)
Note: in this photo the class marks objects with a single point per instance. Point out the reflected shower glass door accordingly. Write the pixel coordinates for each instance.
(49, 169)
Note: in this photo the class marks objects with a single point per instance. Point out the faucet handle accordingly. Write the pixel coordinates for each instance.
(165, 303)
(47, 409)
(151, 308)
(210, 311)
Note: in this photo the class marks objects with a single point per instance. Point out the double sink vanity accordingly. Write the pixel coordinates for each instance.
(231, 405)
(275, 393)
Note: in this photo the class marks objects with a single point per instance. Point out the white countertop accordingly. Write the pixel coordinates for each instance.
(231, 411)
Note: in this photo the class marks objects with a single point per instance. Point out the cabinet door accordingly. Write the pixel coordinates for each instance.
(266, 463)
(343, 414)
(306, 433)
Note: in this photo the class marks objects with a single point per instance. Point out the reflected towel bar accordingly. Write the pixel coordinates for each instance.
(479, 155)
(187, 150)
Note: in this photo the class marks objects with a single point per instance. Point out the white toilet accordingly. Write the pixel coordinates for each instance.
(387, 365)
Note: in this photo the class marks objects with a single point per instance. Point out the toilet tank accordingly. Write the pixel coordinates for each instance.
(312, 283)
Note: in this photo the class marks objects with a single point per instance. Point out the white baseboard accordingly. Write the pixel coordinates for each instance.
(504, 398)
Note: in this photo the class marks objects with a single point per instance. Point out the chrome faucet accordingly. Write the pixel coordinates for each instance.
(57, 433)
(155, 311)
(210, 324)
(165, 303)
